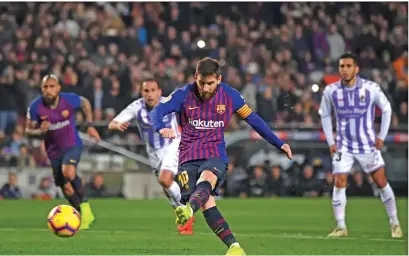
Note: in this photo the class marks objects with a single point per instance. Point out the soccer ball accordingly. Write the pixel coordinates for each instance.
(64, 221)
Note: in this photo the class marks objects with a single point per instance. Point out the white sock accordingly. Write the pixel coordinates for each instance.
(174, 193)
(388, 199)
(339, 202)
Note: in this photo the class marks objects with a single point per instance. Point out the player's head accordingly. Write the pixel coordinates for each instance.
(207, 77)
(348, 67)
(151, 92)
(50, 88)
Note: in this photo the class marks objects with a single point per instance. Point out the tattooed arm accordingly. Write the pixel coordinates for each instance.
(32, 129)
(87, 110)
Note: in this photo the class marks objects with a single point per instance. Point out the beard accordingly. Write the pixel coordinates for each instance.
(50, 101)
(206, 95)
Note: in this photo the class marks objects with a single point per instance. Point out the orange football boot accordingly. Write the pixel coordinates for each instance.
(187, 229)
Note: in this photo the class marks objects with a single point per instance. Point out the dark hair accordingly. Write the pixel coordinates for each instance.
(349, 55)
(151, 80)
(208, 66)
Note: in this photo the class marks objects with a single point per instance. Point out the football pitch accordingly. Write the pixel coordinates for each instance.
(262, 226)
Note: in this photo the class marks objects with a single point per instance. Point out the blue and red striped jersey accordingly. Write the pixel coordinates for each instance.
(203, 121)
(62, 132)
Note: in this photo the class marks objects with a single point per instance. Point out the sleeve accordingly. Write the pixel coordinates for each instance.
(73, 99)
(382, 102)
(32, 112)
(128, 113)
(325, 111)
(240, 106)
(172, 103)
(254, 120)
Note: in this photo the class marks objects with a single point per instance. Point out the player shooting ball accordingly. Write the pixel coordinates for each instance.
(205, 108)
(52, 117)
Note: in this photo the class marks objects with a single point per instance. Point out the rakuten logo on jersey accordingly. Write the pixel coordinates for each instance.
(205, 125)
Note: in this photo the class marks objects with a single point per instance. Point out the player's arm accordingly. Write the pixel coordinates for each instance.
(325, 112)
(383, 103)
(258, 124)
(87, 110)
(33, 129)
(172, 103)
(122, 121)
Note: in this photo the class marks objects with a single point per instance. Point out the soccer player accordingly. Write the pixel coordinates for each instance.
(52, 117)
(205, 108)
(163, 153)
(354, 100)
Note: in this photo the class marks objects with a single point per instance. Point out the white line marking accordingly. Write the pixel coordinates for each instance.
(283, 235)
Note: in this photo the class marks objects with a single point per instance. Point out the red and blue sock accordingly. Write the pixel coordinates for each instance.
(219, 226)
(200, 196)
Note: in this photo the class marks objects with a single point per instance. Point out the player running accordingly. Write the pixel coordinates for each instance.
(354, 100)
(52, 117)
(163, 153)
(205, 108)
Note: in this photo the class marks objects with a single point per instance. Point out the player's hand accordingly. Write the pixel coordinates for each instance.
(93, 133)
(379, 143)
(44, 126)
(332, 149)
(167, 133)
(122, 126)
(286, 148)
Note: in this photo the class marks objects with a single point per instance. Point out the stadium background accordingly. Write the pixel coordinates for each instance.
(272, 52)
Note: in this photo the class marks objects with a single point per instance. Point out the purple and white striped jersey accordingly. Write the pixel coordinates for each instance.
(354, 109)
(154, 141)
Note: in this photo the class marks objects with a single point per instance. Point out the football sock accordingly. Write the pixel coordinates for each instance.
(79, 188)
(75, 201)
(200, 196)
(219, 226)
(339, 202)
(388, 199)
(173, 194)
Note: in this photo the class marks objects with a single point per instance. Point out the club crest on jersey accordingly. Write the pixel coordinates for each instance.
(65, 113)
(221, 109)
(362, 98)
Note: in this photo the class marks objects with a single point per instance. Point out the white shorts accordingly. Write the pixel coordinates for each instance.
(166, 158)
(342, 161)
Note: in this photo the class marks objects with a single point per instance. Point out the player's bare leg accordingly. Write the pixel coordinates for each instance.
(201, 199)
(87, 217)
(388, 199)
(339, 202)
(172, 191)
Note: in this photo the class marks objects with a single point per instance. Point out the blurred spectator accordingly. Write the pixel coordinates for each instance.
(309, 185)
(236, 181)
(25, 159)
(328, 185)
(358, 186)
(46, 190)
(275, 183)
(10, 190)
(258, 184)
(96, 188)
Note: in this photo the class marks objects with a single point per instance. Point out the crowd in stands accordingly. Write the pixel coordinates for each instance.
(271, 52)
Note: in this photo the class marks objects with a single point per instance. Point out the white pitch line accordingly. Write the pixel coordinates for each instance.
(283, 235)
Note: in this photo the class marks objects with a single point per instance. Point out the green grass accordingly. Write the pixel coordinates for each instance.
(264, 226)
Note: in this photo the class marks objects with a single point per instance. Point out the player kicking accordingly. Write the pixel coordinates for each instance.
(52, 117)
(205, 108)
(354, 100)
(163, 153)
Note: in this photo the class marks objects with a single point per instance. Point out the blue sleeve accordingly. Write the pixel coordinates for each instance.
(72, 98)
(172, 103)
(253, 119)
(32, 111)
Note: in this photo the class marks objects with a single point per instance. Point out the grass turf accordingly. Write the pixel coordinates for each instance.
(262, 226)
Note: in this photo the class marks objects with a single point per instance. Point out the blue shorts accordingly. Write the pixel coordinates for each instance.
(71, 156)
(190, 172)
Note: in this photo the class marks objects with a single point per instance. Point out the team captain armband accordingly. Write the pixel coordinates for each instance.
(244, 111)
